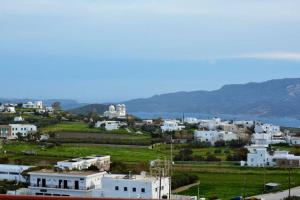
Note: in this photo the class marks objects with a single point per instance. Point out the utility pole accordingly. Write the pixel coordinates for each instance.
(289, 180)
(171, 167)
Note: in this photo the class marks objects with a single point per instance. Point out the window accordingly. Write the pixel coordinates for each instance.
(43, 182)
(76, 185)
(116, 187)
(65, 184)
(125, 188)
(38, 182)
(14, 173)
(134, 189)
(162, 187)
(155, 189)
(143, 190)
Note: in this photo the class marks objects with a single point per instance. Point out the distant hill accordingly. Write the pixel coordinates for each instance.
(65, 103)
(95, 108)
(274, 98)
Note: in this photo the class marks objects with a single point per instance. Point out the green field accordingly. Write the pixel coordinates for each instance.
(118, 153)
(223, 179)
(70, 127)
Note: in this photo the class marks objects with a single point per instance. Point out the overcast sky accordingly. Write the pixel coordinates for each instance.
(98, 51)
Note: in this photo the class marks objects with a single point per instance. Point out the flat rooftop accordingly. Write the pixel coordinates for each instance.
(66, 173)
(133, 177)
(83, 159)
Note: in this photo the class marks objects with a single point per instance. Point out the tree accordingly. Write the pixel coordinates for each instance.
(56, 105)
(20, 136)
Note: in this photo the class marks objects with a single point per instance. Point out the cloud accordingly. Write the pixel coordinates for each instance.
(293, 56)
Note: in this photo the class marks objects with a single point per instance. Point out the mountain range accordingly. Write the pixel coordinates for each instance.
(273, 98)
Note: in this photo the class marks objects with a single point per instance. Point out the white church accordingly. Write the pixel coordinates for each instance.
(118, 111)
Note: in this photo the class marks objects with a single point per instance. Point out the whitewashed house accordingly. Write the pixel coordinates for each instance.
(97, 184)
(2, 108)
(171, 125)
(10, 109)
(108, 125)
(134, 186)
(244, 123)
(24, 129)
(18, 119)
(212, 124)
(266, 138)
(214, 136)
(266, 128)
(64, 183)
(101, 162)
(292, 140)
(116, 112)
(13, 172)
(191, 120)
(259, 156)
(35, 105)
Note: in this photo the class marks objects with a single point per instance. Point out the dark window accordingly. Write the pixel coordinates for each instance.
(116, 187)
(65, 184)
(133, 189)
(143, 190)
(59, 183)
(76, 185)
(43, 182)
(38, 182)
(14, 173)
(38, 193)
(125, 188)
(3, 172)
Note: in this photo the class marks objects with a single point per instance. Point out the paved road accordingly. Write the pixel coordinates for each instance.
(280, 195)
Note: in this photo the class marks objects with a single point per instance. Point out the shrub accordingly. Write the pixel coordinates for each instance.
(182, 179)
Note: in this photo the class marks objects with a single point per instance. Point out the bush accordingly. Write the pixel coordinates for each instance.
(240, 154)
(182, 179)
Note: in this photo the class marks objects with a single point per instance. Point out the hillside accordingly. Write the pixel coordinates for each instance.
(274, 98)
(95, 108)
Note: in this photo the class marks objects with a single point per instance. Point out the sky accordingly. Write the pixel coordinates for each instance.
(100, 51)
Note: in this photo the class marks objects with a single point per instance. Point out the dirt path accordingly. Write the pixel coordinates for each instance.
(186, 187)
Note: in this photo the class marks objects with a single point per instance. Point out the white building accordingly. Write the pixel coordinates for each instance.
(108, 125)
(18, 119)
(171, 125)
(266, 128)
(13, 172)
(211, 124)
(245, 123)
(24, 129)
(10, 109)
(116, 112)
(64, 183)
(191, 120)
(259, 156)
(35, 105)
(101, 162)
(294, 141)
(2, 108)
(135, 186)
(214, 136)
(266, 139)
(97, 184)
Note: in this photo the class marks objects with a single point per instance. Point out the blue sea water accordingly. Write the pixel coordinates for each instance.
(287, 122)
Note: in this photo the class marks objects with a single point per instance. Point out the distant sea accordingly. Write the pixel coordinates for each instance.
(287, 122)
